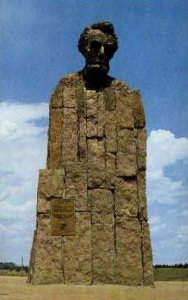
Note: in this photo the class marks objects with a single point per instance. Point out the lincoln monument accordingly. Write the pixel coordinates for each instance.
(91, 221)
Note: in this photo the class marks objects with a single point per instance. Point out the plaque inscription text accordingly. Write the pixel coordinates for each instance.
(62, 217)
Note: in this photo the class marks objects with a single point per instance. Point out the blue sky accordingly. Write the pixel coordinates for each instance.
(39, 46)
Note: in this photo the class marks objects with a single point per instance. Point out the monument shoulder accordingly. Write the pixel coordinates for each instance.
(69, 81)
(120, 85)
(135, 100)
(72, 79)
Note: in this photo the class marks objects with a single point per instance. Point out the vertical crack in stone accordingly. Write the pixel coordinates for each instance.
(78, 135)
(62, 127)
(116, 129)
(105, 159)
(80, 114)
(65, 181)
(63, 258)
(62, 159)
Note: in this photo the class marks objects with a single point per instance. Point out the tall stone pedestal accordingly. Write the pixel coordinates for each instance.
(91, 209)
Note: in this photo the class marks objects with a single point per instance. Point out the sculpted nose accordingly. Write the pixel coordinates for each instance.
(102, 50)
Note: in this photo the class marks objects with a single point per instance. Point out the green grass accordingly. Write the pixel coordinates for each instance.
(171, 274)
(160, 274)
(13, 273)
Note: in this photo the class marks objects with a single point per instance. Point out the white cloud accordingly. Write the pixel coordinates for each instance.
(17, 120)
(164, 149)
(22, 140)
(23, 153)
(167, 196)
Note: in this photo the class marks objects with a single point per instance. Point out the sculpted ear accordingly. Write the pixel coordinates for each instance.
(82, 43)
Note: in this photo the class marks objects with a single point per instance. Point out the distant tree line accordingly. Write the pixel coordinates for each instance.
(172, 266)
(12, 267)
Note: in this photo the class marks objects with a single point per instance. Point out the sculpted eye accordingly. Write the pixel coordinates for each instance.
(95, 45)
(109, 49)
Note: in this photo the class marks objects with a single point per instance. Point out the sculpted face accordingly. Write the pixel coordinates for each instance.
(99, 49)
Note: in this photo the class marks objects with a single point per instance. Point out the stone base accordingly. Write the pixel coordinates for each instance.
(89, 240)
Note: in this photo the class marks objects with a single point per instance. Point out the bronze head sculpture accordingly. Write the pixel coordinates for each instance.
(97, 43)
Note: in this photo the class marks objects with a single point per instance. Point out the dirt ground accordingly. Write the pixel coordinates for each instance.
(16, 288)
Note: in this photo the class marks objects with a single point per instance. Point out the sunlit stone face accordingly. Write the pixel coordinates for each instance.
(100, 48)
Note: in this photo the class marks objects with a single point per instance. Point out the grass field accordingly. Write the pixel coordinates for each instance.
(16, 288)
(160, 274)
(171, 274)
(13, 273)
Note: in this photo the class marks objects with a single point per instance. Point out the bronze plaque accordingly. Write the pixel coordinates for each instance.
(62, 216)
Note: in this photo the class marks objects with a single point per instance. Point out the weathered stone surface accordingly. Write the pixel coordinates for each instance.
(76, 185)
(96, 177)
(142, 204)
(110, 99)
(51, 184)
(139, 116)
(96, 153)
(81, 99)
(47, 261)
(70, 135)
(126, 201)
(54, 159)
(92, 127)
(91, 103)
(69, 97)
(126, 156)
(128, 260)
(103, 253)
(43, 205)
(124, 110)
(77, 252)
(47, 255)
(56, 100)
(127, 142)
(96, 162)
(82, 143)
(95, 114)
(110, 170)
(43, 225)
(141, 148)
(101, 203)
(101, 115)
(111, 132)
(125, 165)
(146, 255)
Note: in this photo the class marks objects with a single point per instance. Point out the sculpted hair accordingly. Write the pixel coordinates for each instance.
(105, 27)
